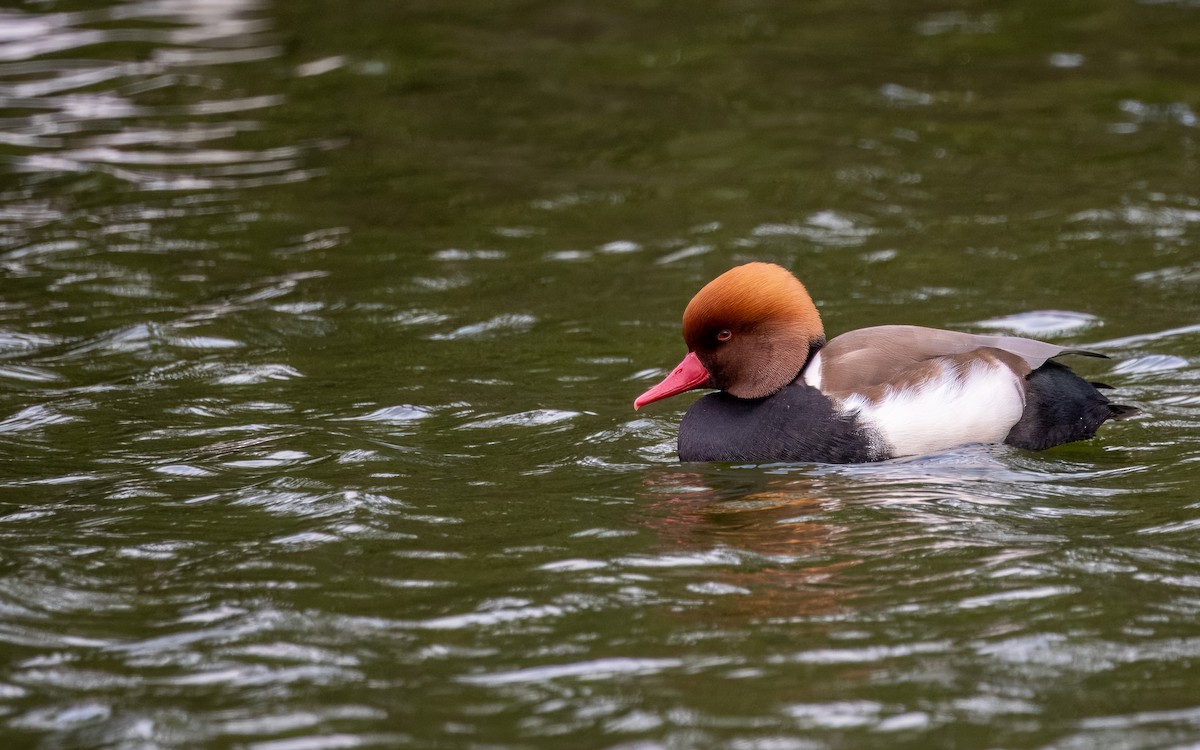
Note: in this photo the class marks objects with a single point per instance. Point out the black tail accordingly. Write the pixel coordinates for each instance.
(1061, 407)
(1120, 411)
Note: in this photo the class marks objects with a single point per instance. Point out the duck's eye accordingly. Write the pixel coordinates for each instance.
(724, 335)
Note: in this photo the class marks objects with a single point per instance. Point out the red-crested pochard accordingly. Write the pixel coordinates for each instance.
(784, 394)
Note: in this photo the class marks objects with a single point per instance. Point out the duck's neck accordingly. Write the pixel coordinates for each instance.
(814, 346)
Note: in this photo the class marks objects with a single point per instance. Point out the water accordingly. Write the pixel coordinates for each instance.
(319, 334)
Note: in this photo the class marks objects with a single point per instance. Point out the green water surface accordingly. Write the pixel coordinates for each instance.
(320, 326)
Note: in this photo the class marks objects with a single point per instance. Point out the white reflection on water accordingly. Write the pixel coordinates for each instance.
(594, 669)
(1042, 322)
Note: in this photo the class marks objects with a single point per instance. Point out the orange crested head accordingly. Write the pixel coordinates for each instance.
(749, 332)
(753, 327)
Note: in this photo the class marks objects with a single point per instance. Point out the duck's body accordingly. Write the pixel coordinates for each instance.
(867, 395)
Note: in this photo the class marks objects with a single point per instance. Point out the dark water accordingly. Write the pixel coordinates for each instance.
(320, 326)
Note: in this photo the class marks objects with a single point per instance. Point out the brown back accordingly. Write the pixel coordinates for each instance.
(860, 360)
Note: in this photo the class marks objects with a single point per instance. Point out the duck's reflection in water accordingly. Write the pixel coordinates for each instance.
(805, 542)
(769, 541)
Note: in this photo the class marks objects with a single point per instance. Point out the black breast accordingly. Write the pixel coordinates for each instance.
(797, 424)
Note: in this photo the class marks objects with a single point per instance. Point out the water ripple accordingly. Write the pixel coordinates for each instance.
(65, 127)
(598, 669)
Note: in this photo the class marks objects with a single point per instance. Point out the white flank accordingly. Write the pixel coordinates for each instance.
(812, 373)
(945, 411)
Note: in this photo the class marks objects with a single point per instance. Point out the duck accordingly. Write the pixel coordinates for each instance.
(783, 394)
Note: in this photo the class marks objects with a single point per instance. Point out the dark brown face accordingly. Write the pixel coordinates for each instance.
(726, 353)
(753, 361)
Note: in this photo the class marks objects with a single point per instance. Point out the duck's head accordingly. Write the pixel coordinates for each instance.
(748, 332)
